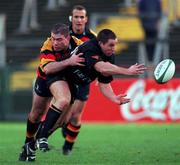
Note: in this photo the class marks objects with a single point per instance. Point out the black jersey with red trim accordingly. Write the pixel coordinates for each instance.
(86, 74)
(85, 36)
(48, 54)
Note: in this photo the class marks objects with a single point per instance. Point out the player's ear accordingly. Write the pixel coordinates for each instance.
(70, 18)
(68, 37)
(99, 42)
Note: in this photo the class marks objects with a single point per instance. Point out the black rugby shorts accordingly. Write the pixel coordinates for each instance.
(41, 88)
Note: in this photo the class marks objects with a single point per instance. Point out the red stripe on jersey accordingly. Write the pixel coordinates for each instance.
(84, 38)
(48, 56)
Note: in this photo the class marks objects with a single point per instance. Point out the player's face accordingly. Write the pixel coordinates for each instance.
(108, 48)
(60, 42)
(79, 20)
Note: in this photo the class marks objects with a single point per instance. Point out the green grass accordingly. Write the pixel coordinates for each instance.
(113, 144)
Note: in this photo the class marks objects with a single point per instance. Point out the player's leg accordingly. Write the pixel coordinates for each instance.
(71, 130)
(38, 109)
(33, 121)
(39, 104)
(60, 102)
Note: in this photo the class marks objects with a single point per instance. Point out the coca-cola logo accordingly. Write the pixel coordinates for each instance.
(162, 104)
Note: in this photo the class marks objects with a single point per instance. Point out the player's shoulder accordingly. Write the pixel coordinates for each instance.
(90, 46)
(76, 40)
(47, 45)
(92, 32)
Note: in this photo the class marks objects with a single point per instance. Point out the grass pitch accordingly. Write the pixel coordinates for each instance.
(101, 144)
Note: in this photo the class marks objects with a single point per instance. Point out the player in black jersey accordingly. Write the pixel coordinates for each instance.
(99, 63)
(55, 50)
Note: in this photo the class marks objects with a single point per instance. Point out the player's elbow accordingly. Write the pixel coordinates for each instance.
(46, 71)
(103, 68)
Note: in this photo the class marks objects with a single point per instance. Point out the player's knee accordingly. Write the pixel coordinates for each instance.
(62, 103)
(37, 112)
(76, 122)
(35, 116)
(76, 118)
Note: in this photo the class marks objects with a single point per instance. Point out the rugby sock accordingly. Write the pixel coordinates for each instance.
(39, 130)
(40, 126)
(52, 116)
(72, 132)
(31, 130)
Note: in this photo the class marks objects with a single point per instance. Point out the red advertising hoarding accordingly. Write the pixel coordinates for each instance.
(150, 102)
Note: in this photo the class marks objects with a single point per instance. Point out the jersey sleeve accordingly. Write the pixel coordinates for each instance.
(104, 79)
(107, 79)
(46, 54)
(47, 45)
(93, 33)
(45, 58)
(91, 58)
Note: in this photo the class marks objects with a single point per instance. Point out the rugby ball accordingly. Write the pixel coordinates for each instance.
(164, 71)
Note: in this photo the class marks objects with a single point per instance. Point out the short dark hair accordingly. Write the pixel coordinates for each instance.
(78, 7)
(106, 34)
(60, 28)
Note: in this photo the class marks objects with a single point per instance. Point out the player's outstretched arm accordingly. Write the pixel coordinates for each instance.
(107, 91)
(106, 68)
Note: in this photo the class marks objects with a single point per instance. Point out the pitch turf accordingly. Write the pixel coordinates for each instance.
(113, 144)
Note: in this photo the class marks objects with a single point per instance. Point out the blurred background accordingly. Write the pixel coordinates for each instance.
(25, 24)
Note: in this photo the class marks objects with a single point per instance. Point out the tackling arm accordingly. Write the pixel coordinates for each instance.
(57, 66)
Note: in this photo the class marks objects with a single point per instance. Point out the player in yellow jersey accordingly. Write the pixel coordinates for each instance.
(56, 55)
(78, 29)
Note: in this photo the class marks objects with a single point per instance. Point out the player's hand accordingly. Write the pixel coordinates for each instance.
(137, 69)
(76, 59)
(121, 99)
